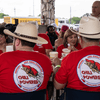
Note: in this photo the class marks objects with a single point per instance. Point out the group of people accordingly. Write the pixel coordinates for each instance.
(59, 41)
(25, 71)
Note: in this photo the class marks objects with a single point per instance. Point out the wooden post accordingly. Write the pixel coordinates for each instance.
(47, 12)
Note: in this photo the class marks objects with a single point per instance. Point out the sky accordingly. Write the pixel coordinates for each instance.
(63, 8)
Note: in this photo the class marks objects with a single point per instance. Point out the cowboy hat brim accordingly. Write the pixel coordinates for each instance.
(39, 39)
(89, 27)
(92, 35)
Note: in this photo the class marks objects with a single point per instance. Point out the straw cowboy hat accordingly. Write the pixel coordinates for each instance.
(89, 27)
(28, 32)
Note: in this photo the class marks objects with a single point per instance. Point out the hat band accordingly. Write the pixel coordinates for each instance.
(25, 36)
(90, 34)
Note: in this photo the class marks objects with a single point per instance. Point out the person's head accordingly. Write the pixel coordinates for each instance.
(87, 41)
(3, 36)
(22, 42)
(63, 29)
(54, 24)
(50, 29)
(96, 8)
(89, 31)
(25, 35)
(70, 37)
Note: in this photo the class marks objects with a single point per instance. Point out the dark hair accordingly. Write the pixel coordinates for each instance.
(11, 27)
(26, 43)
(66, 35)
(62, 35)
(1, 31)
(50, 27)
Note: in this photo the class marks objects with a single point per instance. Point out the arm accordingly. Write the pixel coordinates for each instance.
(58, 85)
(47, 52)
(61, 73)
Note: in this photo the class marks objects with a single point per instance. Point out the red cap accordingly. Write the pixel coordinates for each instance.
(64, 28)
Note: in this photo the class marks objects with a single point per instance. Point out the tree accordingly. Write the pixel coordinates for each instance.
(2, 15)
(75, 20)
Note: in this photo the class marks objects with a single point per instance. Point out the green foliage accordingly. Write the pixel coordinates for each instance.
(2, 15)
(75, 20)
(39, 15)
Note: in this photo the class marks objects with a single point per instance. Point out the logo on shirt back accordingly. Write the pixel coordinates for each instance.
(88, 70)
(28, 75)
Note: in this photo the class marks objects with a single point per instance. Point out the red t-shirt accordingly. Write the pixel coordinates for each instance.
(59, 49)
(1, 51)
(41, 47)
(24, 71)
(78, 72)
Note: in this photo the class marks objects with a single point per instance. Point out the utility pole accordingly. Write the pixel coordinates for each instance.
(14, 11)
(70, 15)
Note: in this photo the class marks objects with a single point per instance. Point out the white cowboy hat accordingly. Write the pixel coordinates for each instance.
(28, 32)
(89, 27)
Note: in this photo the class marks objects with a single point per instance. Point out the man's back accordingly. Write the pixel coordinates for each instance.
(24, 71)
(83, 73)
(80, 71)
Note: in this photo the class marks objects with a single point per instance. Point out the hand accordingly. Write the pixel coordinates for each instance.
(72, 48)
(56, 61)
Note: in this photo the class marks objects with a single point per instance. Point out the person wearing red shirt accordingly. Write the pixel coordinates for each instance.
(43, 48)
(69, 38)
(79, 73)
(59, 41)
(23, 75)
